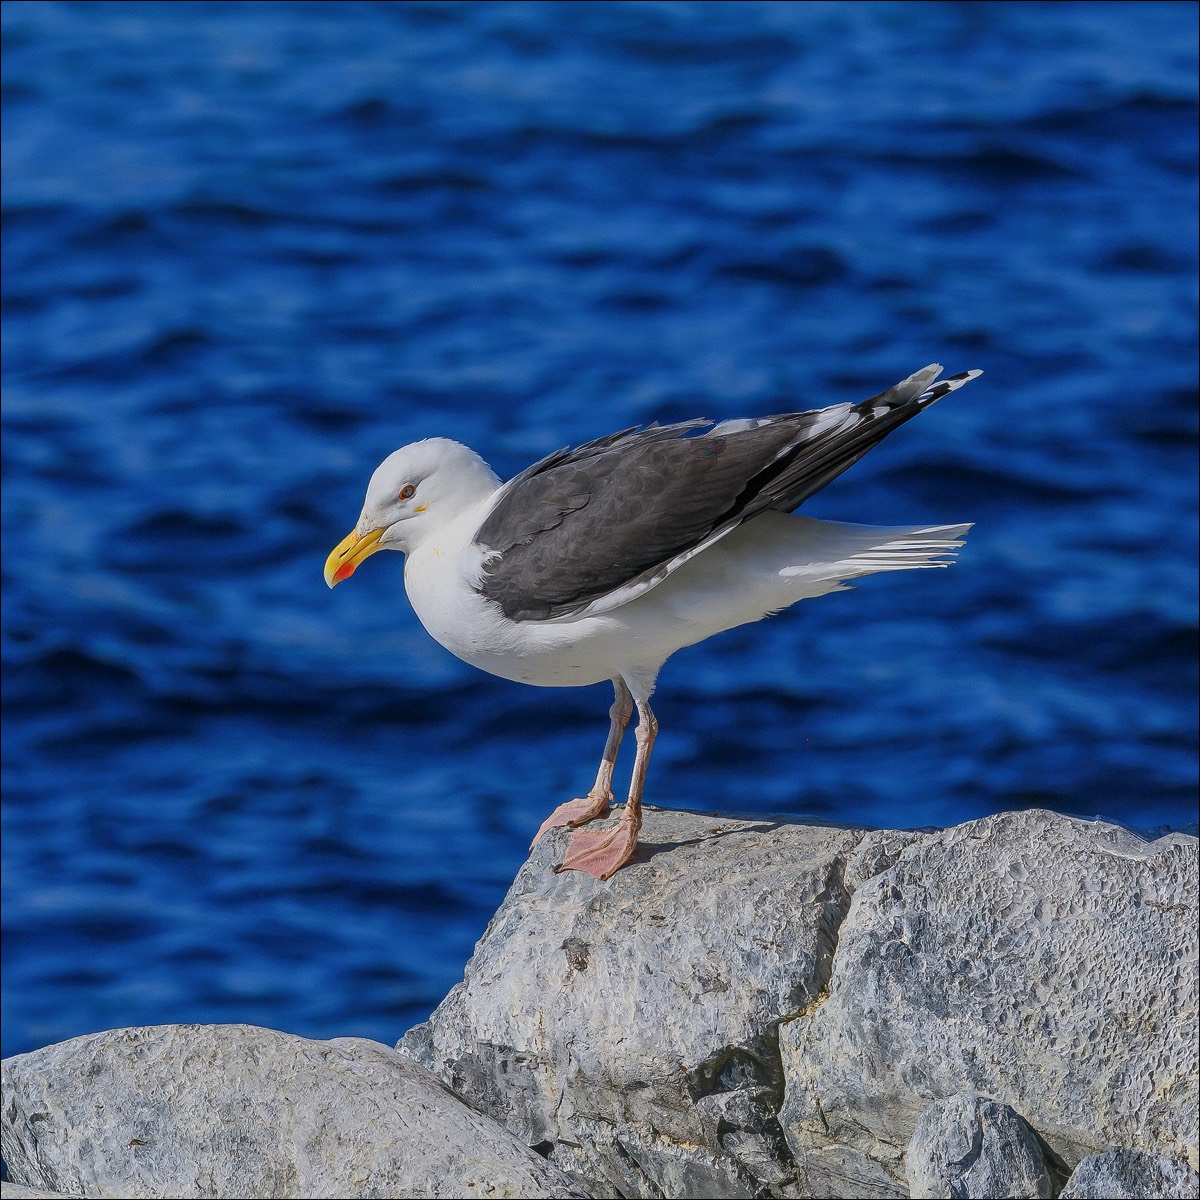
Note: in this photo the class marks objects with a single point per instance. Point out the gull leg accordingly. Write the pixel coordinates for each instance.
(596, 802)
(604, 854)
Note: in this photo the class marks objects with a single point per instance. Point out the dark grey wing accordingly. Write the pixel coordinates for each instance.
(624, 510)
(568, 534)
(540, 497)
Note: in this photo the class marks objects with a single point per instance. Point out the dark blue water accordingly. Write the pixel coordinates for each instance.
(251, 248)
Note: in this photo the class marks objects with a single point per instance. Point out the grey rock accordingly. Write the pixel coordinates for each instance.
(237, 1111)
(1048, 962)
(878, 850)
(16, 1191)
(752, 1008)
(971, 1148)
(628, 1028)
(1131, 1175)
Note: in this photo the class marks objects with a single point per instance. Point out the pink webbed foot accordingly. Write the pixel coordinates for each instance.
(574, 812)
(601, 853)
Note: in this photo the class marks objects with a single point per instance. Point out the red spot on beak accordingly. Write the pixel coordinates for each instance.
(343, 572)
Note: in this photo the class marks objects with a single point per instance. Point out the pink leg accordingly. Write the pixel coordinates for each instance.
(604, 853)
(596, 802)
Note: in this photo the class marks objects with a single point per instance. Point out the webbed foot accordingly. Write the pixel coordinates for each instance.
(601, 853)
(576, 812)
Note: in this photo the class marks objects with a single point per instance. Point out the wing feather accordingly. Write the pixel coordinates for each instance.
(595, 526)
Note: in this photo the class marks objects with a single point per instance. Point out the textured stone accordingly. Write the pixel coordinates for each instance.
(1048, 962)
(236, 1111)
(753, 1008)
(16, 1191)
(628, 1028)
(1131, 1175)
(971, 1148)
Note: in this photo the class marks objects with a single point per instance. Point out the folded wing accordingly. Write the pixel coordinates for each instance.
(593, 527)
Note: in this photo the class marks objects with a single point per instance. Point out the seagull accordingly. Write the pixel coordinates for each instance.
(599, 562)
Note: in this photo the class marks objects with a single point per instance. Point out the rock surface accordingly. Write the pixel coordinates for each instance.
(752, 1008)
(16, 1191)
(639, 1031)
(237, 1111)
(628, 1028)
(1130, 1175)
(1048, 962)
(971, 1148)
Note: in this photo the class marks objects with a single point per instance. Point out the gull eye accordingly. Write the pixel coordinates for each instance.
(407, 491)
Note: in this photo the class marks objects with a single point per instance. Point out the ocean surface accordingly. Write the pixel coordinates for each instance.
(251, 248)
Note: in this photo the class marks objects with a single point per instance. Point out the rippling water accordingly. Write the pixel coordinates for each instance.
(251, 248)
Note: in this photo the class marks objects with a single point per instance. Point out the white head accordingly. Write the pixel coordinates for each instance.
(413, 493)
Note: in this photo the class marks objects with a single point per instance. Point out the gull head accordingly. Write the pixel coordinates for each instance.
(414, 492)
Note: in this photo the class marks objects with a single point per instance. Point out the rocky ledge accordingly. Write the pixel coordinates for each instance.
(759, 1007)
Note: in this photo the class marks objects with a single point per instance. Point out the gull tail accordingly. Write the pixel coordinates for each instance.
(837, 552)
(778, 559)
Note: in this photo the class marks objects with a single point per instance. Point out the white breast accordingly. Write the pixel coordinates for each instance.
(440, 577)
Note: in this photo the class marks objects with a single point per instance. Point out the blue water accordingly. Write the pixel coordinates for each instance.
(251, 248)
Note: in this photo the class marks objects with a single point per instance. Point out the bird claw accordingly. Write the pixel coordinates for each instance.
(573, 813)
(601, 853)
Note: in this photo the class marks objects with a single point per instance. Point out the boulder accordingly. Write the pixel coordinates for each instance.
(237, 1111)
(752, 1008)
(1131, 1175)
(1042, 960)
(628, 1028)
(971, 1148)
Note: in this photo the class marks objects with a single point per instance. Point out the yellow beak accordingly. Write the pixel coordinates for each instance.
(348, 553)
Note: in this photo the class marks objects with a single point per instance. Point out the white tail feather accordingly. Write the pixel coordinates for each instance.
(777, 559)
(842, 552)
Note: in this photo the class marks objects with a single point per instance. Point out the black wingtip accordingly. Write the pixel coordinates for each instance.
(943, 387)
